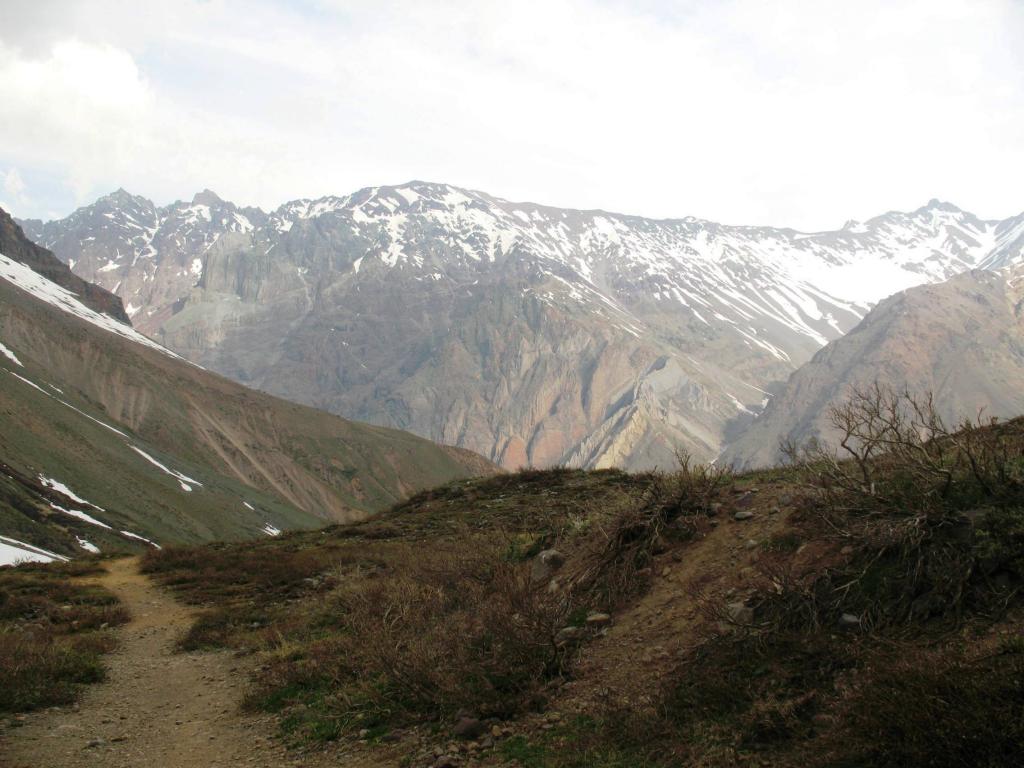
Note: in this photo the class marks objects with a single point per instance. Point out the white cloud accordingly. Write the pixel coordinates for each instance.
(798, 113)
(13, 186)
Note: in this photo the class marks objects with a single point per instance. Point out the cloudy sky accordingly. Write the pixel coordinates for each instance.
(789, 112)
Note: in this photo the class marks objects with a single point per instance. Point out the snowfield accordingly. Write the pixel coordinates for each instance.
(32, 282)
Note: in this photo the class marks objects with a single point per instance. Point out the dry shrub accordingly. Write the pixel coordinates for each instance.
(222, 573)
(614, 569)
(747, 691)
(41, 671)
(936, 514)
(453, 630)
(896, 456)
(457, 634)
(52, 635)
(937, 709)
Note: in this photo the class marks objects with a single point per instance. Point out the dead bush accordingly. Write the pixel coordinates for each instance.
(455, 630)
(942, 710)
(896, 456)
(614, 568)
(936, 514)
(53, 633)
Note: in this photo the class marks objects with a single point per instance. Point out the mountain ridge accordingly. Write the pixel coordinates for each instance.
(530, 334)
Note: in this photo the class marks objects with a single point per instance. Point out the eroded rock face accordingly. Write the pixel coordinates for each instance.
(532, 335)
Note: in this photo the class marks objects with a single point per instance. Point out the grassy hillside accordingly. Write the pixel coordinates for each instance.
(99, 414)
(833, 613)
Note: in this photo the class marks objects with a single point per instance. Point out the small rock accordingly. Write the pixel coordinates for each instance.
(743, 514)
(750, 544)
(496, 731)
(740, 612)
(665, 571)
(364, 732)
(468, 728)
(552, 558)
(848, 621)
(94, 743)
(598, 619)
(567, 634)
(546, 563)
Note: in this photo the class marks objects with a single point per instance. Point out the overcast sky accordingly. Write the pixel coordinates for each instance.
(787, 112)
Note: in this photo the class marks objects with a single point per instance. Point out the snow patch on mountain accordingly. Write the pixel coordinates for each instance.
(32, 282)
(185, 481)
(58, 486)
(83, 516)
(6, 352)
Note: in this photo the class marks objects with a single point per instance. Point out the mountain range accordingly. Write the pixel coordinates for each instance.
(110, 441)
(528, 334)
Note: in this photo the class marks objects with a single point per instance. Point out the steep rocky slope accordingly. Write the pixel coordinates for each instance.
(107, 437)
(962, 340)
(532, 335)
(16, 246)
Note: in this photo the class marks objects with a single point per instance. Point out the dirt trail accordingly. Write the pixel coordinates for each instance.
(157, 707)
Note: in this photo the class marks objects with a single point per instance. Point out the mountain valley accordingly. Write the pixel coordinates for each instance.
(108, 441)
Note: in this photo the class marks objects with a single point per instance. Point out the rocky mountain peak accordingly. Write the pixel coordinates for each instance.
(207, 197)
(939, 205)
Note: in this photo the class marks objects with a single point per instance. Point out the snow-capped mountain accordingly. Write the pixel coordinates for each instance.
(147, 255)
(533, 335)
